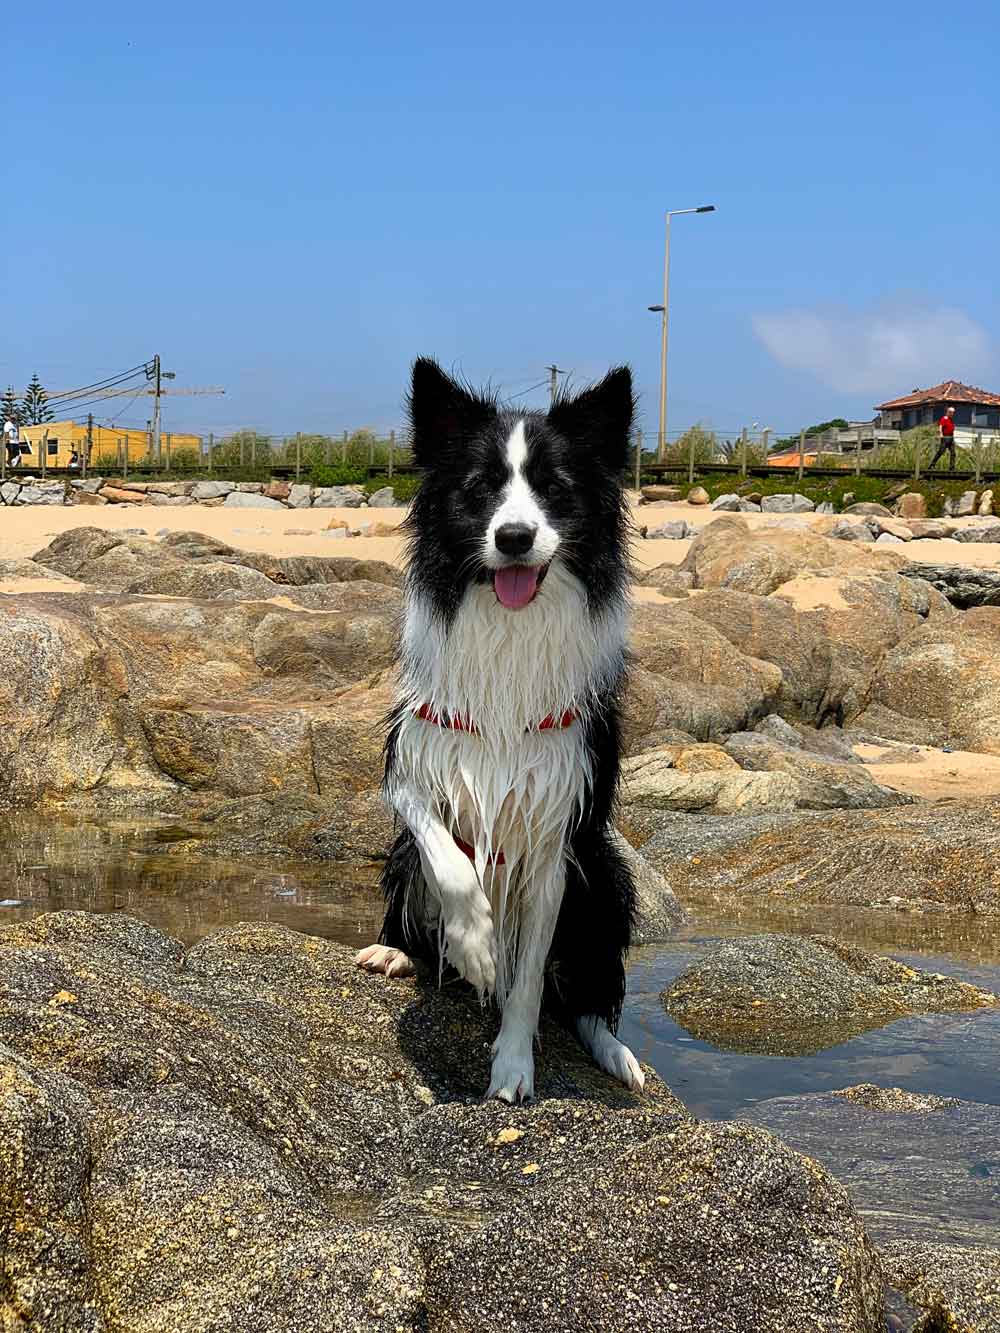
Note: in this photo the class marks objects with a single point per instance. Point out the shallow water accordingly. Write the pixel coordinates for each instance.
(56, 863)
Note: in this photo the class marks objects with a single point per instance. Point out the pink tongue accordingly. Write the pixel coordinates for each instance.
(516, 585)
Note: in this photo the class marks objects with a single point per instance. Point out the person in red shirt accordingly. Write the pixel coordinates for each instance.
(946, 438)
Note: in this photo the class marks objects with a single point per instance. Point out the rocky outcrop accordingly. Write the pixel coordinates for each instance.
(652, 780)
(252, 1135)
(957, 1287)
(822, 783)
(727, 554)
(963, 585)
(793, 995)
(931, 857)
(940, 685)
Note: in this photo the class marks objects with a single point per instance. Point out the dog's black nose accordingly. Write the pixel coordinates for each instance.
(515, 538)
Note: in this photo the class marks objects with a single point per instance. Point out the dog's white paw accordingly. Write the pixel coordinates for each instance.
(622, 1065)
(469, 945)
(380, 958)
(611, 1054)
(512, 1078)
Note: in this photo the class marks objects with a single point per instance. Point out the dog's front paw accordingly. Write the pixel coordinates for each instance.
(469, 946)
(512, 1078)
(380, 958)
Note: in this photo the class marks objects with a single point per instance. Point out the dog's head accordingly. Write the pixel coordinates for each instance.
(507, 493)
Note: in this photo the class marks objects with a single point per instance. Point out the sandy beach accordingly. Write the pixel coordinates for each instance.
(25, 530)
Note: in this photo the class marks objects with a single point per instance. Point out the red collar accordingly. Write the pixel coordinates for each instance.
(456, 723)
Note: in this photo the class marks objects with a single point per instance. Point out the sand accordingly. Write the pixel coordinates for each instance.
(932, 774)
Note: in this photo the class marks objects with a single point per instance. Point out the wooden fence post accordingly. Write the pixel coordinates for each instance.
(298, 454)
(802, 445)
(857, 453)
(743, 453)
(691, 459)
(44, 446)
(392, 450)
(638, 458)
(343, 449)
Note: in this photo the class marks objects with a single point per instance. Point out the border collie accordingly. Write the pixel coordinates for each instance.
(503, 752)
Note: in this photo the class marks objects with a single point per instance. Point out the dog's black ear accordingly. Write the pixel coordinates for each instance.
(443, 412)
(599, 418)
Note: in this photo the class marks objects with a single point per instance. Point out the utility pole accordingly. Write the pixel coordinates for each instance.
(156, 375)
(554, 373)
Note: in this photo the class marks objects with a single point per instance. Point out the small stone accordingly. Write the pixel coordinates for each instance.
(698, 496)
(509, 1135)
(986, 503)
(530, 1169)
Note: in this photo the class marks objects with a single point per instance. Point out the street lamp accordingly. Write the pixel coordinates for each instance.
(664, 311)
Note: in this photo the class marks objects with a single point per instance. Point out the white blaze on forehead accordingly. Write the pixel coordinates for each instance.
(520, 504)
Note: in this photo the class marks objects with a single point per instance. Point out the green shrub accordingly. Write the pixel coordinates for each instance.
(404, 487)
(337, 474)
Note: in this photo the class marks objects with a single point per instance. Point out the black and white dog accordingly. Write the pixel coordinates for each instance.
(503, 755)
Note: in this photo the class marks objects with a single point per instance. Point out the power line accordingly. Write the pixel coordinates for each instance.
(541, 384)
(87, 389)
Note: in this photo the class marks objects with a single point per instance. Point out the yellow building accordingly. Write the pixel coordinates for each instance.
(109, 445)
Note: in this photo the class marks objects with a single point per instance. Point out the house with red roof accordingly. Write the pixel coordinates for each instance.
(976, 410)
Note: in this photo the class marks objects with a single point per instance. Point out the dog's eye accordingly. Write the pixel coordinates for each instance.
(555, 489)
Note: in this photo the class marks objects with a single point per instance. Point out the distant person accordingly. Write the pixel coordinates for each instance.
(74, 459)
(12, 442)
(946, 438)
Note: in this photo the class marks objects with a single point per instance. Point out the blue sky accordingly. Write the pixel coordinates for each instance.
(294, 202)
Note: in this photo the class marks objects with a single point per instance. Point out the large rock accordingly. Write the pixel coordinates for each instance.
(284, 1143)
(121, 495)
(935, 857)
(701, 685)
(676, 530)
(43, 493)
(793, 995)
(384, 498)
(250, 500)
(963, 585)
(653, 494)
(9, 491)
(932, 529)
(728, 503)
(337, 497)
(823, 783)
(300, 496)
(90, 485)
(212, 490)
(941, 685)
(827, 652)
(905, 1157)
(652, 780)
(697, 495)
(786, 504)
(868, 507)
(957, 1287)
(727, 554)
(174, 488)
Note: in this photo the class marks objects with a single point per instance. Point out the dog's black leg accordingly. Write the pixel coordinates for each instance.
(587, 960)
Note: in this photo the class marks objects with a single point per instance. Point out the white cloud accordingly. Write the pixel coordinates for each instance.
(886, 349)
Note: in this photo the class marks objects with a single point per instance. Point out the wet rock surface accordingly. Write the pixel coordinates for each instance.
(957, 1287)
(250, 1134)
(930, 856)
(790, 994)
(920, 1168)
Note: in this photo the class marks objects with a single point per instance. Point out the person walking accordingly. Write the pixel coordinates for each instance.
(12, 442)
(946, 438)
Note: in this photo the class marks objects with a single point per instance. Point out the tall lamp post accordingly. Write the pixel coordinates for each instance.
(664, 310)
